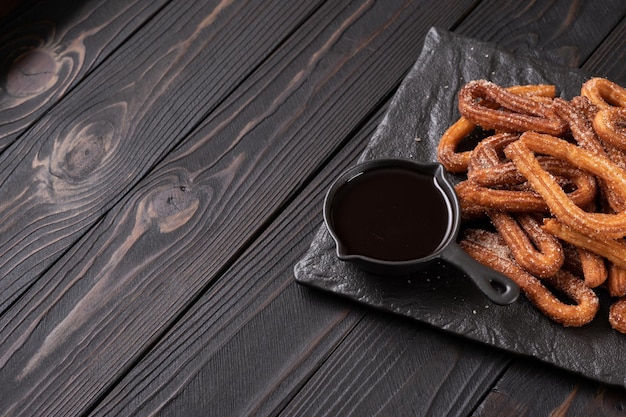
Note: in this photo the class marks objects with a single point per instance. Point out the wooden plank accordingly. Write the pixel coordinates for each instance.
(110, 130)
(608, 60)
(100, 307)
(51, 46)
(390, 367)
(562, 32)
(530, 388)
(252, 340)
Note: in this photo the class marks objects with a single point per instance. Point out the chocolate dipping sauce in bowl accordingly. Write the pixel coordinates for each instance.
(394, 217)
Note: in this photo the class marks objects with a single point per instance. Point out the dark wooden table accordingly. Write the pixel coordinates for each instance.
(162, 169)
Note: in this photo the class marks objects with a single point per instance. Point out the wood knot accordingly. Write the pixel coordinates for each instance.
(82, 151)
(31, 73)
(172, 206)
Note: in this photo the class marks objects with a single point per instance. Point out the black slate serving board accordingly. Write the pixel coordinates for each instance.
(423, 107)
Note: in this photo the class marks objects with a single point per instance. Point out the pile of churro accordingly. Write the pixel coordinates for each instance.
(550, 176)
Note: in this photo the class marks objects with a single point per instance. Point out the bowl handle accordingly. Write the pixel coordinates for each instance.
(497, 287)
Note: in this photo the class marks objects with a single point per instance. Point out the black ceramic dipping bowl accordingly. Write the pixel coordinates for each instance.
(394, 217)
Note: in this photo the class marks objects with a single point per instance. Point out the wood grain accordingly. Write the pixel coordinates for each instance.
(100, 307)
(254, 338)
(523, 392)
(79, 159)
(51, 46)
(381, 368)
(608, 60)
(563, 32)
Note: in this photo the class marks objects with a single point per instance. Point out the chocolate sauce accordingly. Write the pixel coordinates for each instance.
(391, 214)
